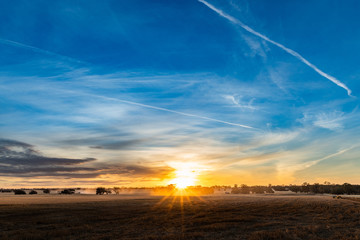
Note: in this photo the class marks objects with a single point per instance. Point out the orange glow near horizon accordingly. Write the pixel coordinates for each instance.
(185, 175)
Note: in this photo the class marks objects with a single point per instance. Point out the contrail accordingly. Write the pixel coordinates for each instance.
(177, 112)
(185, 114)
(39, 50)
(164, 109)
(288, 50)
(309, 164)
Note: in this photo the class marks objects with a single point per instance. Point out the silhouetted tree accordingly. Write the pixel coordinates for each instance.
(68, 191)
(315, 188)
(337, 190)
(19, 192)
(33, 192)
(295, 188)
(100, 191)
(348, 188)
(305, 187)
(6, 190)
(243, 189)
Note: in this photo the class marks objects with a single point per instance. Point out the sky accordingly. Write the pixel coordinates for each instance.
(128, 93)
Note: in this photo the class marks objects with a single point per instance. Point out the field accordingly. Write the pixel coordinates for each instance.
(154, 217)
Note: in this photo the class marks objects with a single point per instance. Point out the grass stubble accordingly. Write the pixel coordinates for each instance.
(208, 217)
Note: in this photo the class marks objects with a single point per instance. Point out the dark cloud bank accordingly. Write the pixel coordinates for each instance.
(19, 159)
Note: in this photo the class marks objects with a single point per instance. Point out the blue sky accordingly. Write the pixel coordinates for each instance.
(121, 92)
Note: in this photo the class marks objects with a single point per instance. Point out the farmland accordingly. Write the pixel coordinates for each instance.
(155, 217)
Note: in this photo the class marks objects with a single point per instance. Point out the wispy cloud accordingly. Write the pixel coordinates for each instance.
(41, 51)
(274, 138)
(257, 47)
(332, 121)
(236, 100)
(288, 50)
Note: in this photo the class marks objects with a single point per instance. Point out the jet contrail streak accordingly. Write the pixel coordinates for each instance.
(177, 112)
(164, 109)
(309, 164)
(288, 50)
(38, 50)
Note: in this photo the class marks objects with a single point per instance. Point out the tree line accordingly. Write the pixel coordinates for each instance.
(316, 188)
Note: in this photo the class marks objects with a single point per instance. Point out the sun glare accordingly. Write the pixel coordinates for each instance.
(185, 175)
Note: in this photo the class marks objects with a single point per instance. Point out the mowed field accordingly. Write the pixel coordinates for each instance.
(155, 217)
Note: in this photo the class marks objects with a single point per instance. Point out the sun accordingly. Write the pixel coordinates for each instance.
(185, 175)
(183, 182)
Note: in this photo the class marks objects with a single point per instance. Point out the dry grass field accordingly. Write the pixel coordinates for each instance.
(152, 217)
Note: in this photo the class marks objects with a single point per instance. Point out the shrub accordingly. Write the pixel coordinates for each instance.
(5, 190)
(46, 191)
(19, 192)
(33, 192)
(100, 191)
(68, 191)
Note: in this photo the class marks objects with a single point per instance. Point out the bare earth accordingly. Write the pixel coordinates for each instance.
(154, 217)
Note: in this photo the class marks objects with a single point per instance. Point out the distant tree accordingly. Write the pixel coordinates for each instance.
(19, 192)
(100, 191)
(326, 188)
(235, 190)
(305, 187)
(244, 189)
(279, 188)
(33, 192)
(337, 190)
(46, 191)
(258, 189)
(68, 191)
(348, 188)
(5, 190)
(315, 188)
(295, 188)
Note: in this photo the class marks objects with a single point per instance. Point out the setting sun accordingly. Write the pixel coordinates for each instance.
(185, 175)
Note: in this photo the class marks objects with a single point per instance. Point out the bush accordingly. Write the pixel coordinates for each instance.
(244, 189)
(46, 191)
(33, 192)
(5, 190)
(68, 191)
(100, 191)
(19, 192)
